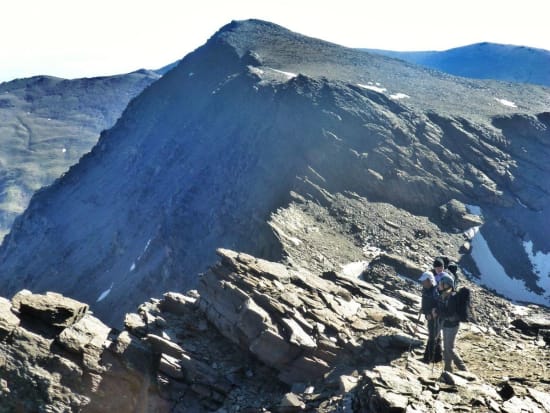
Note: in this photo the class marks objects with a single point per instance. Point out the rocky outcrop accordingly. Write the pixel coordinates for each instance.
(57, 357)
(263, 336)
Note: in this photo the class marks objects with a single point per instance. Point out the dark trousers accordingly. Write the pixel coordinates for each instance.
(433, 351)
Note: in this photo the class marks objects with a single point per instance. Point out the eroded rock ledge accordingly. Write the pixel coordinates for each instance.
(260, 336)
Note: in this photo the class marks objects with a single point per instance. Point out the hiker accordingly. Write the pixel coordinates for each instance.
(453, 269)
(438, 268)
(447, 319)
(432, 353)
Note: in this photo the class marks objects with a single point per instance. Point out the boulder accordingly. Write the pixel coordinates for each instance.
(456, 214)
(8, 320)
(51, 308)
(177, 303)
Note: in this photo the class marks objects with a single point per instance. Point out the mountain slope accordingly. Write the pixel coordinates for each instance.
(47, 124)
(485, 61)
(257, 117)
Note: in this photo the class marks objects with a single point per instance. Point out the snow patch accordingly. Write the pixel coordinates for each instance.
(105, 293)
(354, 269)
(494, 276)
(541, 264)
(289, 75)
(256, 70)
(505, 102)
(138, 259)
(371, 87)
(399, 95)
(521, 203)
(471, 233)
(146, 247)
(371, 251)
(520, 310)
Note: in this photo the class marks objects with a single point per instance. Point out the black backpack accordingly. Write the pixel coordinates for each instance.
(445, 260)
(464, 307)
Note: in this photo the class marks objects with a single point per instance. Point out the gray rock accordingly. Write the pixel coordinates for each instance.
(87, 334)
(134, 323)
(291, 403)
(51, 308)
(542, 398)
(177, 303)
(347, 383)
(170, 366)
(455, 214)
(163, 346)
(297, 335)
(8, 320)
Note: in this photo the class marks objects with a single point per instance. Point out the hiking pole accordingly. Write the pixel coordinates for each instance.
(437, 337)
(413, 337)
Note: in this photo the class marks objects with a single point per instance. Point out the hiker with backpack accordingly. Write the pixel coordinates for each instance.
(453, 269)
(448, 318)
(430, 295)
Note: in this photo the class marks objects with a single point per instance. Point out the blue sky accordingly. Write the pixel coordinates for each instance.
(80, 38)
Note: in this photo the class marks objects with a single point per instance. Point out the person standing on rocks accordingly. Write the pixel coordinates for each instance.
(446, 316)
(438, 268)
(432, 353)
(453, 269)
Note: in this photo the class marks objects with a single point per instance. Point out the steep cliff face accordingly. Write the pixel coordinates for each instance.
(47, 124)
(257, 117)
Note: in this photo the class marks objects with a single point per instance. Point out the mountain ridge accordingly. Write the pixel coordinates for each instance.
(206, 155)
(48, 123)
(484, 61)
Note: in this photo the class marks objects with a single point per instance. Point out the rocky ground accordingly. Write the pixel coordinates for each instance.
(260, 336)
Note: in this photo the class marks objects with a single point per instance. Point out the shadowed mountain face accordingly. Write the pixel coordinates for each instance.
(260, 116)
(485, 61)
(47, 124)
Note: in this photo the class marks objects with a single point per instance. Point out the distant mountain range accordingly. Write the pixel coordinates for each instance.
(484, 61)
(261, 120)
(48, 123)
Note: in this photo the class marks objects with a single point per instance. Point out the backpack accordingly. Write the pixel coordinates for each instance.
(446, 260)
(464, 307)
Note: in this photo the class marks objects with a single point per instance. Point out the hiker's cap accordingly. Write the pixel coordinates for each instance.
(447, 280)
(428, 276)
(438, 262)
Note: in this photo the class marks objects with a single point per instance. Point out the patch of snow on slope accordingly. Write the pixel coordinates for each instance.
(289, 75)
(494, 276)
(399, 95)
(541, 264)
(505, 102)
(105, 293)
(354, 269)
(256, 70)
(371, 87)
